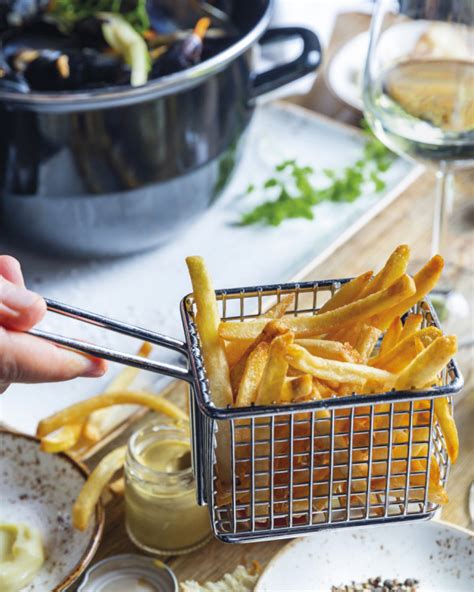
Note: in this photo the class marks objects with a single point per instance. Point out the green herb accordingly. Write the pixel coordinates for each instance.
(293, 193)
(67, 12)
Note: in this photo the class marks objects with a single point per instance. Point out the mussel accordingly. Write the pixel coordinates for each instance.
(54, 70)
(184, 53)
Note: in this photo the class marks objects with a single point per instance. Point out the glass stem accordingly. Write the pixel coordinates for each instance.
(442, 209)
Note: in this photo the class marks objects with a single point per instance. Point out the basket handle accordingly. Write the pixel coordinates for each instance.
(181, 372)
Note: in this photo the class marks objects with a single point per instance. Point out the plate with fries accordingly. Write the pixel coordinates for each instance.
(436, 554)
(38, 489)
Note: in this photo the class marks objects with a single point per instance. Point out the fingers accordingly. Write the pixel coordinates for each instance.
(20, 309)
(10, 269)
(25, 358)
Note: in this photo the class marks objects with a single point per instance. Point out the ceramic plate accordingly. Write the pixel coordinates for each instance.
(438, 555)
(39, 489)
(346, 70)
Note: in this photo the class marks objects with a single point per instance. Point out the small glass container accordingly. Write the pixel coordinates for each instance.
(161, 512)
(127, 573)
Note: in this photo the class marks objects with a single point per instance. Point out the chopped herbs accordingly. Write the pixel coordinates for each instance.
(293, 193)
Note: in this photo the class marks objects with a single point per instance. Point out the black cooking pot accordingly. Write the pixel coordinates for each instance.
(113, 171)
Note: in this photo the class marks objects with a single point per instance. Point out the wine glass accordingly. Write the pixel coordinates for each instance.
(419, 101)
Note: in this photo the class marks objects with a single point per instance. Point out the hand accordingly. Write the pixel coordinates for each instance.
(25, 358)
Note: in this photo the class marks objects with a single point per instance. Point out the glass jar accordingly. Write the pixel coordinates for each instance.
(161, 512)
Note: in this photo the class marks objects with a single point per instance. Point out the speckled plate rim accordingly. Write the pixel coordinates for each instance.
(96, 535)
(285, 549)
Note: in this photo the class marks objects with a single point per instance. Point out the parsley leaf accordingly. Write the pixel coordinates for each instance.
(297, 195)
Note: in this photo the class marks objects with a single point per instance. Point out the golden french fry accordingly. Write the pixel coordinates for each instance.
(103, 421)
(236, 349)
(213, 351)
(331, 350)
(392, 336)
(394, 268)
(90, 493)
(62, 439)
(296, 388)
(252, 375)
(403, 353)
(448, 427)
(425, 281)
(118, 486)
(271, 330)
(340, 372)
(412, 324)
(427, 364)
(207, 321)
(76, 413)
(323, 389)
(274, 374)
(308, 326)
(367, 340)
(278, 310)
(347, 293)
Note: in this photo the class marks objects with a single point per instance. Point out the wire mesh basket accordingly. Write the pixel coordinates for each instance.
(297, 468)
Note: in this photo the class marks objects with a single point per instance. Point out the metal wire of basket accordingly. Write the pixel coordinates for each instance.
(297, 468)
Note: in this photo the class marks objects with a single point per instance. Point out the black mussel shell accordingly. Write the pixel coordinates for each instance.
(74, 70)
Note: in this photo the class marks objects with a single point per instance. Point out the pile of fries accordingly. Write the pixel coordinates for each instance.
(364, 340)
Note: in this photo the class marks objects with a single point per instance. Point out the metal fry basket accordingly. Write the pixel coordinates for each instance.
(298, 468)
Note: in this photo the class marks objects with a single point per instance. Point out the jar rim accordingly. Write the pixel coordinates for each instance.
(154, 427)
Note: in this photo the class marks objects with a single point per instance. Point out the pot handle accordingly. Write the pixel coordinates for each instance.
(278, 76)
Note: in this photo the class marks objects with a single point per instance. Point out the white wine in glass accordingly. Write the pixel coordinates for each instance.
(419, 101)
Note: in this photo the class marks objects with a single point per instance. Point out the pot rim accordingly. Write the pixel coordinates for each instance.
(127, 95)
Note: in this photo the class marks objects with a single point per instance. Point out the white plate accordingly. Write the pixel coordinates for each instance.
(346, 70)
(438, 555)
(39, 489)
(146, 289)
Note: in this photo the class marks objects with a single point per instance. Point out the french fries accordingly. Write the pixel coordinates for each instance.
(391, 336)
(79, 411)
(424, 369)
(331, 350)
(63, 438)
(348, 292)
(89, 495)
(271, 330)
(394, 268)
(308, 326)
(235, 349)
(341, 372)
(274, 374)
(207, 321)
(425, 280)
(297, 388)
(213, 351)
(103, 421)
(335, 353)
(252, 375)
